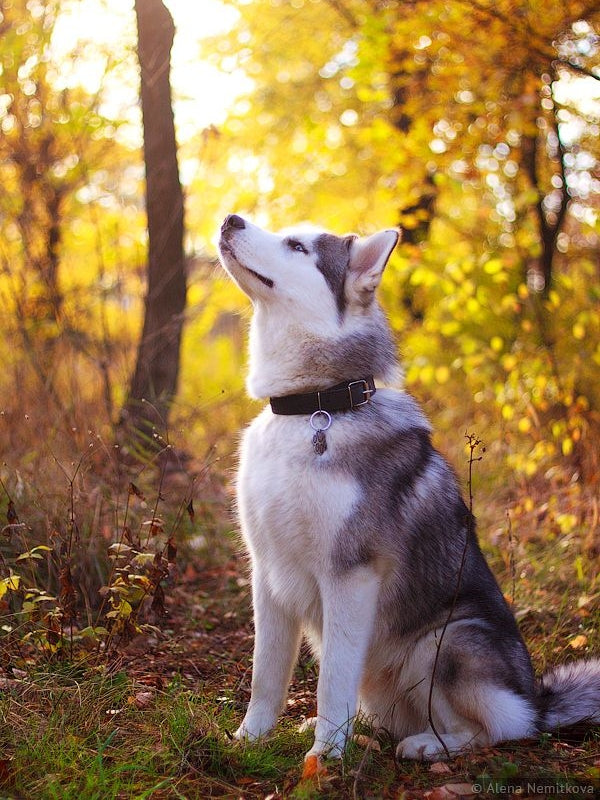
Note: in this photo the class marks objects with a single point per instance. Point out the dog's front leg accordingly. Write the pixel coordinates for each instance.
(349, 606)
(276, 645)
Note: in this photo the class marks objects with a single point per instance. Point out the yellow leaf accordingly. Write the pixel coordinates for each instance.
(508, 412)
(442, 374)
(497, 343)
(578, 642)
(566, 522)
(584, 600)
(554, 298)
(426, 375)
(567, 446)
(12, 582)
(450, 328)
(492, 267)
(524, 425)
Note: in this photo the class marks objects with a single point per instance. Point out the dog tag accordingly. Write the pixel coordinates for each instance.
(319, 439)
(320, 442)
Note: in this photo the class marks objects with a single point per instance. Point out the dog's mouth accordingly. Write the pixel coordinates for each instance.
(267, 281)
(226, 248)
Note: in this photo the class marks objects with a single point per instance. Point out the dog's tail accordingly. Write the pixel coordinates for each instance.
(569, 694)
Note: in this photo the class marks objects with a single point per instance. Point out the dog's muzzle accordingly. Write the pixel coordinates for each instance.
(232, 223)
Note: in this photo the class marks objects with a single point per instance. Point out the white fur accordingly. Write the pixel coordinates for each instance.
(290, 528)
(507, 715)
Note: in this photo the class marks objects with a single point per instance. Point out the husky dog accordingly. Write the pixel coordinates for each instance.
(356, 529)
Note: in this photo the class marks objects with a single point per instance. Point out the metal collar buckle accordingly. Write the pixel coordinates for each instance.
(366, 391)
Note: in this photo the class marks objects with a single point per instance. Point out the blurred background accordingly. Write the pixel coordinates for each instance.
(472, 125)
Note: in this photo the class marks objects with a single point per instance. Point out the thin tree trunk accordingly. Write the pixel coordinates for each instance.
(549, 227)
(157, 368)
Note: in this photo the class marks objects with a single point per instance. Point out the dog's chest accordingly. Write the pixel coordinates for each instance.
(293, 503)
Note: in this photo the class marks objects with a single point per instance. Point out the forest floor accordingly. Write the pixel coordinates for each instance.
(156, 722)
(154, 718)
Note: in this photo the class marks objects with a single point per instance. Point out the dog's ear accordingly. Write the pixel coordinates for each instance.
(368, 258)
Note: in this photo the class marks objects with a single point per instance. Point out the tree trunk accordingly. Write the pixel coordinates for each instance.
(154, 381)
(549, 224)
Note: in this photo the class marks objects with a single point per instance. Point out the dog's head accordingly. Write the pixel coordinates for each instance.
(304, 264)
(305, 284)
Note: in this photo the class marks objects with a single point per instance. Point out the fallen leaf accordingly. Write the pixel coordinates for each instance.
(440, 768)
(439, 794)
(366, 741)
(143, 699)
(313, 766)
(11, 514)
(171, 550)
(6, 770)
(460, 789)
(133, 489)
(19, 673)
(578, 642)
(190, 510)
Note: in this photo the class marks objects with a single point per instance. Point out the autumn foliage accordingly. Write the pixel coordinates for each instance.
(471, 125)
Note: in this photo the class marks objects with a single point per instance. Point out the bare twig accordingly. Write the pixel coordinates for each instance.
(511, 556)
(473, 443)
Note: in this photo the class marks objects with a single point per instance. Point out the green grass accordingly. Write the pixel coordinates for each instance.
(71, 735)
(87, 739)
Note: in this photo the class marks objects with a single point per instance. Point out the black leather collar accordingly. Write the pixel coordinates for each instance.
(343, 396)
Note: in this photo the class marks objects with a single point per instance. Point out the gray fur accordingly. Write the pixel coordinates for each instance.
(371, 353)
(412, 516)
(333, 256)
(570, 693)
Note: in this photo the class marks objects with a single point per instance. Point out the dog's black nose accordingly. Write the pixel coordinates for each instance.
(233, 221)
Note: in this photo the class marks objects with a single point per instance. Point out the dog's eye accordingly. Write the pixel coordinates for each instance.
(294, 244)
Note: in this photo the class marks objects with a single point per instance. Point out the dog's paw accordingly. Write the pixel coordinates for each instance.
(243, 735)
(309, 724)
(331, 748)
(423, 747)
(258, 721)
(251, 730)
(326, 750)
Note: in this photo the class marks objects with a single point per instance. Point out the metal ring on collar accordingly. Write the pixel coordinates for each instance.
(325, 414)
